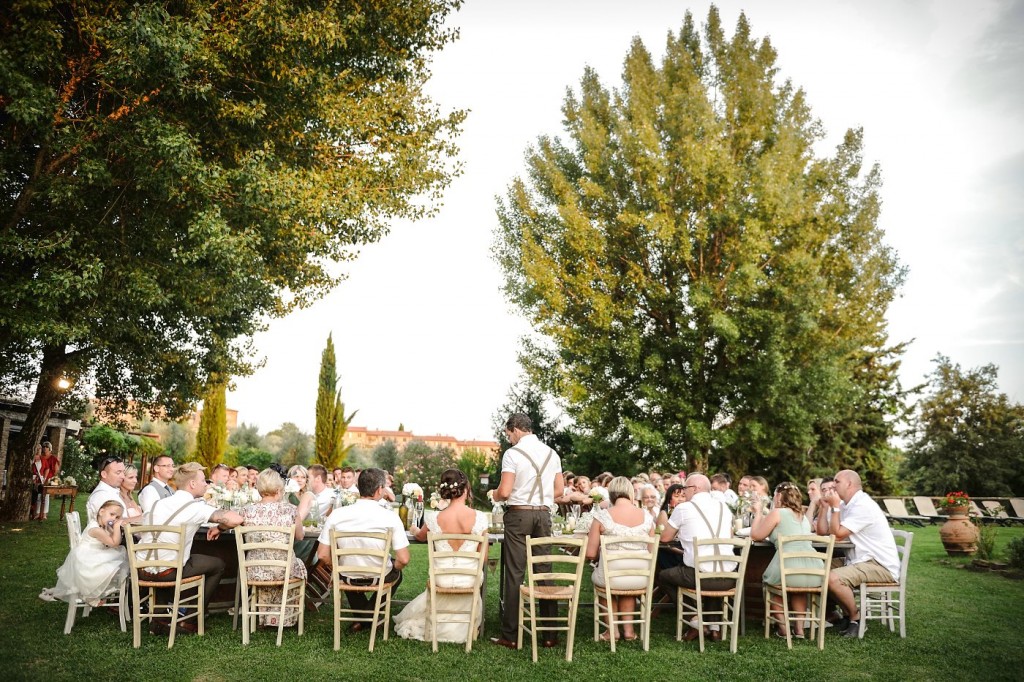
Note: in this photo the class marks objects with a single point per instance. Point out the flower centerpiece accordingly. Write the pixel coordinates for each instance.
(67, 481)
(292, 487)
(412, 493)
(346, 497)
(956, 500)
(222, 498)
(598, 495)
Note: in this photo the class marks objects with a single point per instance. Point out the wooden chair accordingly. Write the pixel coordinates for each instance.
(554, 571)
(896, 510)
(154, 540)
(888, 601)
(465, 578)
(816, 596)
(345, 570)
(729, 616)
(74, 524)
(250, 539)
(616, 551)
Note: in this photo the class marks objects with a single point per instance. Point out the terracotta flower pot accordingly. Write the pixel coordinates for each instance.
(959, 535)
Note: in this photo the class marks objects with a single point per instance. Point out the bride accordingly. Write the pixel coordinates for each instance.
(457, 517)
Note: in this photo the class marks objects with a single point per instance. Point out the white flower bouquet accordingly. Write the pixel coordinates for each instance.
(345, 498)
(292, 487)
(413, 491)
(437, 503)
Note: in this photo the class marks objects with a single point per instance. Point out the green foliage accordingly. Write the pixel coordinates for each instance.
(527, 398)
(703, 285)
(289, 445)
(77, 462)
(172, 176)
(385, 456)
(474, 462)
(967, 435)
(245, 435)
(331, 422)
(419, 463)
(212, 437)
(246, 455)
(1015, 553)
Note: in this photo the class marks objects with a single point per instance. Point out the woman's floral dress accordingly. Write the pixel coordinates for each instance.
(273, 514)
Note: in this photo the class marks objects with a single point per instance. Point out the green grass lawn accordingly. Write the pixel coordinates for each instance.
(962, 625)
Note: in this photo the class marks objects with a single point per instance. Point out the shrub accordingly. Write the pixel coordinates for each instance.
(1015, 553)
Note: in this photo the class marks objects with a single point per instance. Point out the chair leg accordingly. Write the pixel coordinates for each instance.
(69, 622)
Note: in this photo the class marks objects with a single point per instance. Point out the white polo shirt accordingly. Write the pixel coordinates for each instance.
(516, 463)
(194, 513)
(869, 533)
(365, 516)
(100, 494)
(689, 524)
(325, 501)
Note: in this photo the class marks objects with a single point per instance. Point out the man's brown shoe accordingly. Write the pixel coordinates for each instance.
(691, 634)
(550, 643)
(501, 641)
(715, 635)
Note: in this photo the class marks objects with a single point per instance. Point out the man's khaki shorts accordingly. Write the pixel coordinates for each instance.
(869, 571)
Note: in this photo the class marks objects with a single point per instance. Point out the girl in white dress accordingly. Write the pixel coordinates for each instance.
(623, 517)
(97, 565)
(456, 517)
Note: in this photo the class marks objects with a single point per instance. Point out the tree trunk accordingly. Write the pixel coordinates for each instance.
(17, 505)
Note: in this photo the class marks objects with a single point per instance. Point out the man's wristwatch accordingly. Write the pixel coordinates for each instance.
(835, 510)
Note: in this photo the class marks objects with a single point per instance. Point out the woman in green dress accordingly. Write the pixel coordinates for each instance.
(786, 518)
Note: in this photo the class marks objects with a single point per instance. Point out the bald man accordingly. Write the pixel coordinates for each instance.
(703, 517)
(854, 516)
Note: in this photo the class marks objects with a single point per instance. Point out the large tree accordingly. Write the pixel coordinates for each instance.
(331, 422)
(174, 174)
(967, 435)
(702, 283)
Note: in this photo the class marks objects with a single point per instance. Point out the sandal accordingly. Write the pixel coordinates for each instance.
(607, 637)
(631, 639)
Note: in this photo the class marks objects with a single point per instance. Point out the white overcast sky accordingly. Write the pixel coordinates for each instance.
(423, 334)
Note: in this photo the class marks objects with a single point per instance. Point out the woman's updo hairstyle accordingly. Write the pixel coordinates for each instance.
(453, 484)
(790, 497)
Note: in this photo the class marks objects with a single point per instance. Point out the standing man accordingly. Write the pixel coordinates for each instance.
(366, 515)
(187, 508)
(157, 488)
(702, 517)
(855, 516)
(111, 476)
(531, 478)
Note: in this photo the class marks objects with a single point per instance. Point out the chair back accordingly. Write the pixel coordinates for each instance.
(563, 557)
(925, 506)
(276, 541)
(1017, 504)
(790, 570)
(904, 540)
(158, 548)
(74, 529)
(621, 556)
(715, 565)
(456, 568)
(364, 556)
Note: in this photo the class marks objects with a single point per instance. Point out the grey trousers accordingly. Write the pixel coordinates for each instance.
(197, 564)
(684, 576)
(518, 524)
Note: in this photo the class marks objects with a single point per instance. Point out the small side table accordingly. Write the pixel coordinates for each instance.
(64, 492)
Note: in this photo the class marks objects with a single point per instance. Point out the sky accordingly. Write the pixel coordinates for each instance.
(423, 334)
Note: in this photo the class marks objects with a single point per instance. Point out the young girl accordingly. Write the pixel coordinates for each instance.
(99, 562)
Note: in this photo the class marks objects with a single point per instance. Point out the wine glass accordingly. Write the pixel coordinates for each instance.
(418, 513)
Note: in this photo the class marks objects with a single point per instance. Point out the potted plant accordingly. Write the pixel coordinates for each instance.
(959, 535)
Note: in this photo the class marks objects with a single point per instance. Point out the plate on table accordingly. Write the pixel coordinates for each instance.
(743, 533)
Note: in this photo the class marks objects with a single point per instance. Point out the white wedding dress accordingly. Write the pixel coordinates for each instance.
(411, 623)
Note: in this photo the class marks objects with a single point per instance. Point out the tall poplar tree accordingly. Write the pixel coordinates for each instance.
(703, 285)
(212, 436)
(331, 422)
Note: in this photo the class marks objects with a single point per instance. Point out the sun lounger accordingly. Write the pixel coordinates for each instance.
(896, 510)
(926, 507)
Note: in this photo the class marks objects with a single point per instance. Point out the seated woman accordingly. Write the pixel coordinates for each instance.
(127, 490)
(649, 500)
(457, 517)
(621, 518)
(786, 518)
(272, 510)
(303, 498)
(99, 563)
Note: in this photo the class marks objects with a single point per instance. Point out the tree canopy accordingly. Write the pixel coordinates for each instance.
(174, 174)
(702, 283)
(968, 436)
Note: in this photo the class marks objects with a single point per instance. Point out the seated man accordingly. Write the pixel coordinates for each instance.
(186, 507)
(366, 515)
(348, 480)
(703, 517)
(220, 475)
(324, 493)
(721, 490)
(108, 488)
(853, 515)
